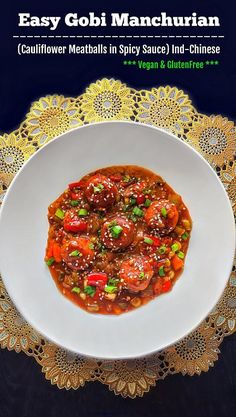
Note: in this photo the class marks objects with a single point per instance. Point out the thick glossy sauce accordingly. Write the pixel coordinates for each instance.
(117, 239)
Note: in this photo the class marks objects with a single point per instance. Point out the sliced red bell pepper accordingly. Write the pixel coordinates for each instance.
(49, 252)
(140, 199)
(78, 184)
(75, 226)
(116, 177)
(156, 240)
(166, 286)
(177, 263)
(56, 250)
(97, 279)
(76, 196)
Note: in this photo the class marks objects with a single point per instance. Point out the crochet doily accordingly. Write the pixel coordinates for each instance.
(171, 109)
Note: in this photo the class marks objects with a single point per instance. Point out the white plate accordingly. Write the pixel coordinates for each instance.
(24, 228)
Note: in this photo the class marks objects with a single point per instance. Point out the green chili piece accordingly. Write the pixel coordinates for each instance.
(60, 213)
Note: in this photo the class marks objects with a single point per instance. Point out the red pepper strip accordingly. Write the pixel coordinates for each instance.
(76, 196)
(177, 263)
(166, 286)
(78, 184)
(56, 250)
(75, 226)
(140, 199)
(156, 240)
(116, 177)
(97, 279)
(50, 249)
(97, 294)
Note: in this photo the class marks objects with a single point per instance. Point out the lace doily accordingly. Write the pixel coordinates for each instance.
(171, 109)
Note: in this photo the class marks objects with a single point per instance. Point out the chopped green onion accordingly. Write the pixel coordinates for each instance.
(133, 218)
(126, 178)
(185, 236)
(162, 249)
(91, 246)
(98, 188)
(148, 240)
(141, 275)
(116, 231)
(164, 212)
(138, 212)
(76, 290)
(50, 261)
(126, 208)
(147, 202)
(110, 289)
(74, 203)
(180, 255)
(60, 213)
(133, 201)
(174, 247)
(82, 212)
(89, 290)
(161, 271)
(147, 191)
(113, 281)
(75, 253)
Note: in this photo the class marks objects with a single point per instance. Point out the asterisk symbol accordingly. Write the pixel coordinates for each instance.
(216, 62)
(212, 62)
(207, 62)
(129, 62)
(134, 62)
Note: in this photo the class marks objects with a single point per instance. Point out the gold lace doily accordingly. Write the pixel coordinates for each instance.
(169, 108)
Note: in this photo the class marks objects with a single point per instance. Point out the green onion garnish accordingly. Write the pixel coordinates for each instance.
(50, 261)
(174, 247)
(82, 212)
(91, 246)
(133, 201)
(180, 255)
(98, 188)
(161, 271)
(185, 236)
(126, 208)
(89, 290)
(147, 202)
(133, 218)
(75, 253)
(60, 213)
(126, 178)
(148, 240)
(138, 212)
(74, 203)
(76, 290)
(147, 191)
(110, 289)
(141, 275)
(163, 212)
(162, 249)
(116, 231)
(113, 281)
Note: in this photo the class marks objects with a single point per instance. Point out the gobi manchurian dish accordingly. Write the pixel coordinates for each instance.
(117, 239)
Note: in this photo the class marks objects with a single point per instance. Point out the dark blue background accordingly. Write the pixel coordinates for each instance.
(23, 389)
(26, 78)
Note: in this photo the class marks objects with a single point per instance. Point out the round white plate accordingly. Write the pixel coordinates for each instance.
(24, 228)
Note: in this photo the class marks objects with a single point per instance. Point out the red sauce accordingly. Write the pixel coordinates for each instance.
(117, 239)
